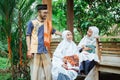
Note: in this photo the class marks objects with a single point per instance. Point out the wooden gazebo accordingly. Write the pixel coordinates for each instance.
(108, 52)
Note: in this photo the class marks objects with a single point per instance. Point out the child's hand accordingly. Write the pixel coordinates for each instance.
(86, 48)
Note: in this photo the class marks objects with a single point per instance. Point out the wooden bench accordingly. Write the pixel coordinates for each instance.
(53, 46)
(108, 50)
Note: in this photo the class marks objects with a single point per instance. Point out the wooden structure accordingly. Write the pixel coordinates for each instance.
(70, 15)
(53, 46)
(70, 12)
(108, 52)
(109, 55)
(49, 6)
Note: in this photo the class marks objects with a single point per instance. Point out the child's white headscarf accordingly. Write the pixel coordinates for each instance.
(90, 40)
(95, 31)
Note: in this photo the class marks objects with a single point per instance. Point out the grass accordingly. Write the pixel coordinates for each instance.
(4, 64)
(5, 76)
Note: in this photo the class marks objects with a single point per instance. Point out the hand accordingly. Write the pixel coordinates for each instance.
(65, 61)
(29, 55)
(65, 66)
(86, 48)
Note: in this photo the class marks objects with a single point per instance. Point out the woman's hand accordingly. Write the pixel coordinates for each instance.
(65, 66)
(65, 60)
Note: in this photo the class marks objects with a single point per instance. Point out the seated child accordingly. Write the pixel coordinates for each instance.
(87, 47)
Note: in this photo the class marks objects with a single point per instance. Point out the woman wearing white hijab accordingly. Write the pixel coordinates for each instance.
(87, 46)
(61, 68)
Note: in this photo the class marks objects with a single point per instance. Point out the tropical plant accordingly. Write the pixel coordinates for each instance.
(15, 15)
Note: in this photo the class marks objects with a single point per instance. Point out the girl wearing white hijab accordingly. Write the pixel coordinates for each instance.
(87, 46)
(62, 69)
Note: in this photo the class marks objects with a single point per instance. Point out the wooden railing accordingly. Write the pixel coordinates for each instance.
(53, 46)
(108, 45)
(108, 50)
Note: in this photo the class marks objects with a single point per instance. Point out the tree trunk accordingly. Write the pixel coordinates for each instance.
(10, 53)
(20, 38)
(9, 47)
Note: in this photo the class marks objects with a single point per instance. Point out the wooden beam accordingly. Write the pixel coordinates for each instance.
(70, 15)
(93, 74)
(49, 6)
(49, 16)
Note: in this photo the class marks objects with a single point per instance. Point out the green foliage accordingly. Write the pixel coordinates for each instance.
(4, 63)
(95, 13)
(15, 26)
(5, 76)
(59, 15)
(6, 10)
(101, 13)
(3, 47)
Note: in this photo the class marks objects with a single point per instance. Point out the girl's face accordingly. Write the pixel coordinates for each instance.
(89, 33)
(69, 36)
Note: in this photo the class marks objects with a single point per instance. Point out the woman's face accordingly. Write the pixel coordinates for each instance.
(89, 33)
(69, 36)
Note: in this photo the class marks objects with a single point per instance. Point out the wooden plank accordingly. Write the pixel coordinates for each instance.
(109, 37)
(93, 74)
(109, 69)
(110, 64)
(112, 59)
(109, 41)
(111, 49)
(111, 52)
(56, 41)
(52, 44)
(110, 44)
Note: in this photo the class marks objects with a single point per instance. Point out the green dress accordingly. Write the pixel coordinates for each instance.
(92, 50)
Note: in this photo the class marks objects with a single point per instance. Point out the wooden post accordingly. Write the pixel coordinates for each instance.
(70, 15)
(49, 6)
(98, 49)
(49, 17)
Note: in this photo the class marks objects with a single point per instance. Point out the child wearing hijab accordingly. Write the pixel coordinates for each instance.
(87, 48)
(65, 63)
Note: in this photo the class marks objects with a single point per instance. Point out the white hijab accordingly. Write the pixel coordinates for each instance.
(65, 48)
(90, 40)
